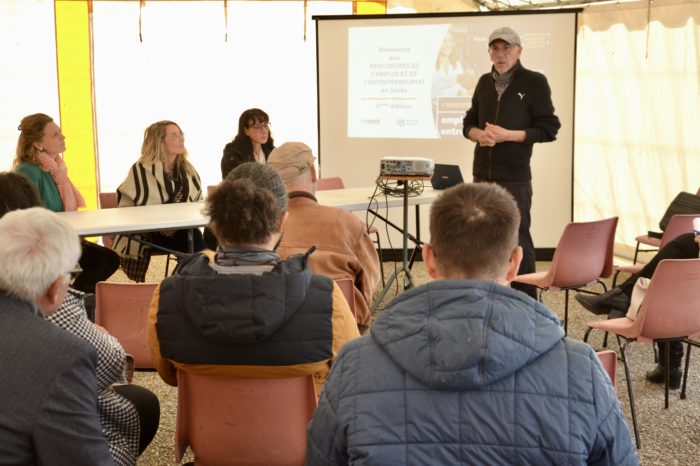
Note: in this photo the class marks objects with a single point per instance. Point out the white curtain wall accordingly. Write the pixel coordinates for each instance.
(28, 80)
(637, 140)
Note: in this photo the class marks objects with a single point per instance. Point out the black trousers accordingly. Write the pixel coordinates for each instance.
(179, 241)
(148, 409)
(98, 264)
(681, 247)
(522, 192)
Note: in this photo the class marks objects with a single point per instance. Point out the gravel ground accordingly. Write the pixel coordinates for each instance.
(669, 437)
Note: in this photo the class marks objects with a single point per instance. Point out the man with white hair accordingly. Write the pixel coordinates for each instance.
(48, 397)
(343, 247)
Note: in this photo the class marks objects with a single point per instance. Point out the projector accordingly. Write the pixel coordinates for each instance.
(406, 166)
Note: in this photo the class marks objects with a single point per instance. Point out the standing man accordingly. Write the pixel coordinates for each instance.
(511, 110)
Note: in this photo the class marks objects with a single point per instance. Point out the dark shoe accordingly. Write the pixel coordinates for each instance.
(604, 303)
(674, 376)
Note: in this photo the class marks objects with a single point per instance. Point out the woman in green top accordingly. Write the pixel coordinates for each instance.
(38, 157)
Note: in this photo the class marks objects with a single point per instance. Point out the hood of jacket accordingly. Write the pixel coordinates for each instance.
(240, 308)
(464, 334)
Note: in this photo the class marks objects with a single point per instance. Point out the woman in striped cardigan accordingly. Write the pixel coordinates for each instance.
(162, 175)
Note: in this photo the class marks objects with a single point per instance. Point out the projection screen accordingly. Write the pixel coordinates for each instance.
(399, 85)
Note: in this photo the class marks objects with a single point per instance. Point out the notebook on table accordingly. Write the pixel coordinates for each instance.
(446, 176)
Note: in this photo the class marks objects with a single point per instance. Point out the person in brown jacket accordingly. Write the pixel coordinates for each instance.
(343, 247)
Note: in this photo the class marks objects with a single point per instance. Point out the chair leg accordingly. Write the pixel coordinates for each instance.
(636, 251)
(566, 312)
(614, 282)
(381, 262)
(685, 371)
(667, 363)
(633, 410)
(167, 264)
(602, 283)
(585, 335)
(605, 340)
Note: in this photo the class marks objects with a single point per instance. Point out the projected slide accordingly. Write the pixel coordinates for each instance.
(407, 82)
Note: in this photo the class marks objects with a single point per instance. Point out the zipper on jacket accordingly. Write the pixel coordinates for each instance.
(498, 110)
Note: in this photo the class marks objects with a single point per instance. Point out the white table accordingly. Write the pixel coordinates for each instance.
(125, 220)
(356, 199)
(143, 219)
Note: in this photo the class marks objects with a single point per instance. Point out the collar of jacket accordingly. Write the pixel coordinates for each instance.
(301, 194)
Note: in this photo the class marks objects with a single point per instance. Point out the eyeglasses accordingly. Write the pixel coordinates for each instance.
(494, 49)
(261, 126)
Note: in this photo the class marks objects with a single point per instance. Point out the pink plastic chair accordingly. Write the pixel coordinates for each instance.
(347, 286)
(679, 224)
(336, 182)
(583, 256)
(122, 309)
(608, 358)
(668, 312)
(231, 422)
(107, 201)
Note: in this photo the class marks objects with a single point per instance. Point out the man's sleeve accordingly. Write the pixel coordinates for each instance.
(613, 442)
(471, 118)
(326, 443)
(368, 276)
(68, 429)
(545, 124)
(165, 368)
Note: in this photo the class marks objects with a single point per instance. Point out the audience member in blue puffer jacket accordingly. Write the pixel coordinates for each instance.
(464, 370)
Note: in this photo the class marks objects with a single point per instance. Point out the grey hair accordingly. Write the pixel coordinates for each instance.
(263, 177)
(37, 246)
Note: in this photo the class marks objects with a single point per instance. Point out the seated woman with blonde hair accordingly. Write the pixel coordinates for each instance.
(162, 175)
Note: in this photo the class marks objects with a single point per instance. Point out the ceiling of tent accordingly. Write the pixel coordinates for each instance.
(508, 5)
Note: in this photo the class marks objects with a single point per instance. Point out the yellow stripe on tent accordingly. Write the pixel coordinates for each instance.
(75, 94)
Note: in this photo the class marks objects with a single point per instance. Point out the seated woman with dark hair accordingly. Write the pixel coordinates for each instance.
(129, 414)
(162, 175)
(253, 143)
(39, 157)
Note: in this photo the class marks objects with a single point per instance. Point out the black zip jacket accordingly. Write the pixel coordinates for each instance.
(525, 105)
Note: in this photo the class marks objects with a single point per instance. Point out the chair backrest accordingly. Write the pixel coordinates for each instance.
(608, 358)
(670, 308)
(677, 225)
(122, 308)
(584, 253)
(243, 421)
(347, 286)
(335, 182)
(108, 201)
